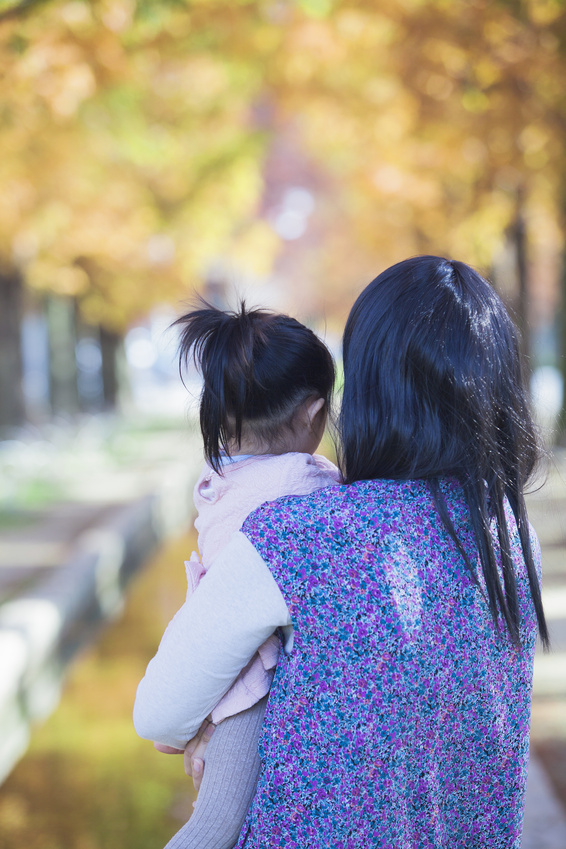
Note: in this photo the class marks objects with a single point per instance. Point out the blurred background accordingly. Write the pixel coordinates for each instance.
(285, 151)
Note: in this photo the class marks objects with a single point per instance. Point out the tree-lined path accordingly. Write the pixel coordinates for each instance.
(289, 151)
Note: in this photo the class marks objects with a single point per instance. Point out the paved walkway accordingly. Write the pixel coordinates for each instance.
(545, 819)
(545, 813)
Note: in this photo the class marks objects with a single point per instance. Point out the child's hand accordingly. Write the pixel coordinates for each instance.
(194, 752)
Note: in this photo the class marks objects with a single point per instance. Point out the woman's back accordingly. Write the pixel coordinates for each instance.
(401, 717)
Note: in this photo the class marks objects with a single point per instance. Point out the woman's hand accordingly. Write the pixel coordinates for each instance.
(167, 750)
(194, 752)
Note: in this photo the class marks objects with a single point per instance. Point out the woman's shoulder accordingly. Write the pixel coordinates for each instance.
(346, 502)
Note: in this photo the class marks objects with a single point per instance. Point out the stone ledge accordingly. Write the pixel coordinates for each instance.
(43, 626)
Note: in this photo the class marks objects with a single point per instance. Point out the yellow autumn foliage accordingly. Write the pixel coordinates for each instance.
(136, 136)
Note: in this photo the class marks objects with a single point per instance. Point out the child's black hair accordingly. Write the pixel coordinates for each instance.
(433, 386)
(257, 368)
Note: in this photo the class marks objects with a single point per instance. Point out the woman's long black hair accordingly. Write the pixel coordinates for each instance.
(257, 368)
(433, 387)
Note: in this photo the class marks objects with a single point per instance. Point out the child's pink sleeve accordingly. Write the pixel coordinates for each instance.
(195, 570)
(253, 682)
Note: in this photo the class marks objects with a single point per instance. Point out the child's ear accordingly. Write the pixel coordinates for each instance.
(313, 408)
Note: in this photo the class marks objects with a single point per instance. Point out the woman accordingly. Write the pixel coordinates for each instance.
(408, 599)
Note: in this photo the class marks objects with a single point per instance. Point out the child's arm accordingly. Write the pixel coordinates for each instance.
(236, 606)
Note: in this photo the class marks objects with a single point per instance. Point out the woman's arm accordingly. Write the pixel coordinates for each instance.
(236, 606)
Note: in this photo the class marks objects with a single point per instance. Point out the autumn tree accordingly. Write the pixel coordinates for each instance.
(130, 159)
(437, 119)
(136, 135)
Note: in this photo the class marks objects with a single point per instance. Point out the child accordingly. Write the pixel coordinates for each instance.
(267, 387)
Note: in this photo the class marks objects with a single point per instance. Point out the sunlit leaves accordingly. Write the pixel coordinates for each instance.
(124, 121)
(440, 114)
(129, 125)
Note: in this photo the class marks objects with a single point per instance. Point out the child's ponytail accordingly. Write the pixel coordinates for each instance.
(257, 367)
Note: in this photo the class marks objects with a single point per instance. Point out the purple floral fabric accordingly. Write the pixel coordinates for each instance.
(401, 718)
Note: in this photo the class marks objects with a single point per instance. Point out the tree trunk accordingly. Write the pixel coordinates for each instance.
(519, 237)
(561, 425)
(109, 345)
(63, 392)
(12, 410)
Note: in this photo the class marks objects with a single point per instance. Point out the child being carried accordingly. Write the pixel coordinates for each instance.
(267, 385)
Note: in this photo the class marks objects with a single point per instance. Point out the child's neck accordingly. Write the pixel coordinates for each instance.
(254, 450)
